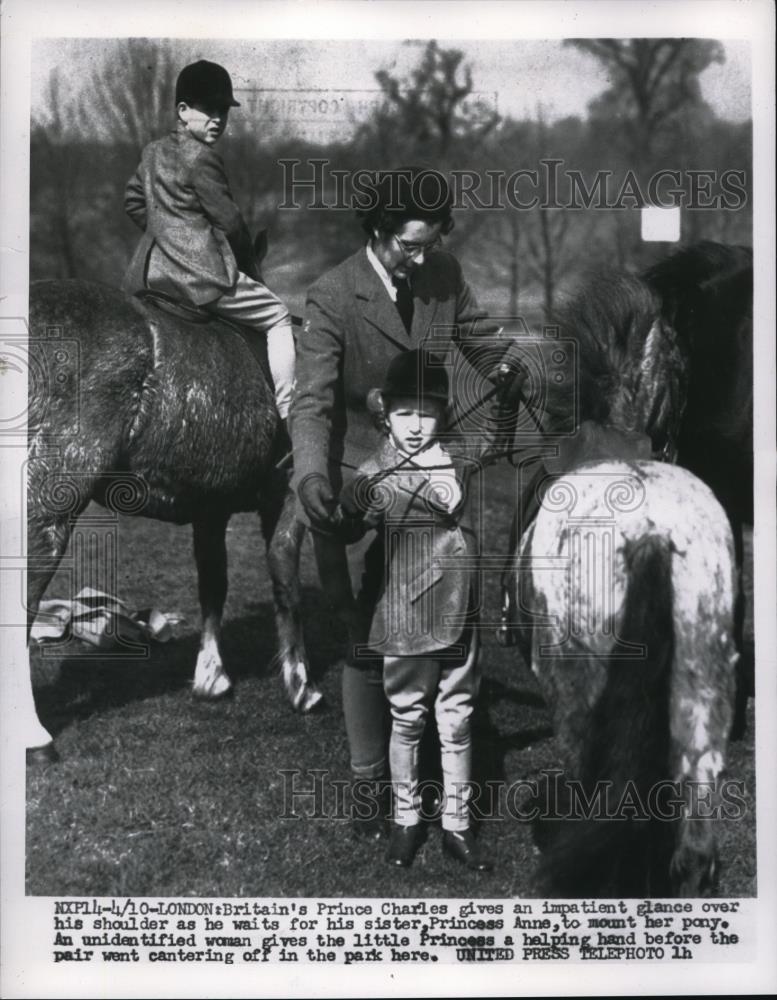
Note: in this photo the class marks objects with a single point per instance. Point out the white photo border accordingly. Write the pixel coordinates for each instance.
(25, 935)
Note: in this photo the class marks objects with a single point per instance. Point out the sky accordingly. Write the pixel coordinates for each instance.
(515, 76)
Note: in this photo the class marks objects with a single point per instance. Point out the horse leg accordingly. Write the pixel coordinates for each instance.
(702, 684)
(54, 501)
(210, 551)
(283, 535)
(37, 740)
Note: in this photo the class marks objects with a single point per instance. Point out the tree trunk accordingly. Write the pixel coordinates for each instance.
(515, 265)
(548, 264)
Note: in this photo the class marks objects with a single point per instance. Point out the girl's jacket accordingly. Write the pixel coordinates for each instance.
(424, 586)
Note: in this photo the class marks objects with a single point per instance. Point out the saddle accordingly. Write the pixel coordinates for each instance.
(200, 317)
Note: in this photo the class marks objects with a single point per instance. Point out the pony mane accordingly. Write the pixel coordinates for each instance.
(628, 374)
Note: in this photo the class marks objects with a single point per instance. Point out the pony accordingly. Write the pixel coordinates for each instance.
(669, 354)
(627, 613)
(151, 414)
(706, 295)
(627, 581)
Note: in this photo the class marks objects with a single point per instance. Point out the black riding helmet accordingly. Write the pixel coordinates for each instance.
(205, 84)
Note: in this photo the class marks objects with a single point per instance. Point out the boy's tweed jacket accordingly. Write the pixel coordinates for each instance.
(352, 331)
(179, 196)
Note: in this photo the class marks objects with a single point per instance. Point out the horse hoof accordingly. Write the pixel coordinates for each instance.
(303, 695)
(42, 756)
(312, 699)
(212, 688)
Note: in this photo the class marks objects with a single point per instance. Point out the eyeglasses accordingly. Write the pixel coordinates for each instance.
(410, 250)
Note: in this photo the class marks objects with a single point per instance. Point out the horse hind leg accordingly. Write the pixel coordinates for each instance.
(701, 712)
(210, 551)
(283, 534)
(46, 546)
(54, 501)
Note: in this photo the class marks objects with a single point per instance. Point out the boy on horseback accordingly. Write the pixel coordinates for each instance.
(196, 245)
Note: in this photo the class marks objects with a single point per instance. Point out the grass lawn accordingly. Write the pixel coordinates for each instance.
(158, 794)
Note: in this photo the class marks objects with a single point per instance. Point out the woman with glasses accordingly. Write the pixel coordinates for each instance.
(400, 291)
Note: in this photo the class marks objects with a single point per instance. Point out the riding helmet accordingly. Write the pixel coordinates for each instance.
(205, 83)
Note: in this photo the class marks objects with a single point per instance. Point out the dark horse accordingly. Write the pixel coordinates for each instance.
(626, 592)
(706, 294)
(150, 414)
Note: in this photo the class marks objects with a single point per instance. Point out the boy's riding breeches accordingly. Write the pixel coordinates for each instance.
(253, 304)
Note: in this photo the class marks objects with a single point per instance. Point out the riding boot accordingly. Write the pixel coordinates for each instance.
(505, 634)
(365, 710)
(284, 432)
(370, 808)
(281, 360)
(528, 506)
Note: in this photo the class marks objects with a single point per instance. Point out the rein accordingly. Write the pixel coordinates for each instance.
(384, 473)
(504, 373)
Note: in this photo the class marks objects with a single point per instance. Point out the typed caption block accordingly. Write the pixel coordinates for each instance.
(358, 932)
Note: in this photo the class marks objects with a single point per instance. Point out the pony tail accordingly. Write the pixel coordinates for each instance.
(619, 850)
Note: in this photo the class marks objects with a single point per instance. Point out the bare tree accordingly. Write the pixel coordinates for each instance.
(131, 96)
(510, 244)
(652, 82)
(652, 111)
(57, 173)
(548, 229)
(84, 148)
(429, 109)
(546, 252)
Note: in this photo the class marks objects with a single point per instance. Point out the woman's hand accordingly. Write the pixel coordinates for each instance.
(316, 496)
